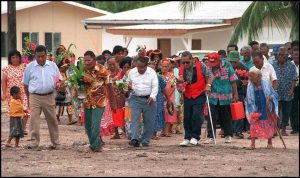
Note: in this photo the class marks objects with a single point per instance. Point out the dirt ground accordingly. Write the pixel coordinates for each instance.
(163, 158)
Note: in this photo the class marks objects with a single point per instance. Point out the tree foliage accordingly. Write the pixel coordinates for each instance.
(119, 6)
(278, 13)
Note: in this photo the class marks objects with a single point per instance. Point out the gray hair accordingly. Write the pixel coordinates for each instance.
(246, 48)
(255, 71)
(187, 54)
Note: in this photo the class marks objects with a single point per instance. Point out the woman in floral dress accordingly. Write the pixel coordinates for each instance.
(170, 90)
(12, 75)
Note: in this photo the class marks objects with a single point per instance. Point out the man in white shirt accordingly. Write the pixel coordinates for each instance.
(144, 83)
(267, 70)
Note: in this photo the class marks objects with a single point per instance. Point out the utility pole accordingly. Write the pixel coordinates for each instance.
(11, 20)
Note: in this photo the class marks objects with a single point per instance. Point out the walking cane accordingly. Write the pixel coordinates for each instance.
(280, 136)
(212, 125)
(277, 130)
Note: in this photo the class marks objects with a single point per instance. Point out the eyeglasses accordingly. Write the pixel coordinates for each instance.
(186, 62)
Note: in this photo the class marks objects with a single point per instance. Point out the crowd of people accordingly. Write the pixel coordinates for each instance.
(160, 96)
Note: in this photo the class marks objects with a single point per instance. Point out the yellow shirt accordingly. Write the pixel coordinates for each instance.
(16, 108)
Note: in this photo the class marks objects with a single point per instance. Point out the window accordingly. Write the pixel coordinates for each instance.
(4, 44)
(52, 41)
(196, 44)
(33, 37)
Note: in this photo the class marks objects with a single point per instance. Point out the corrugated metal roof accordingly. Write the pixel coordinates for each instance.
(166, 27)
(208, 10)
(28, 4)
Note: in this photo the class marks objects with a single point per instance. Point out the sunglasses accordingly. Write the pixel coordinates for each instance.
(186, 62)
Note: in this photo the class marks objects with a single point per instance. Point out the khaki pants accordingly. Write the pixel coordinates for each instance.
(47, 105)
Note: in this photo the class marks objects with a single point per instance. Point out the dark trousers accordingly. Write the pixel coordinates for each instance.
(285, 107)
(193, 119)
(223, 113)
(295, 110)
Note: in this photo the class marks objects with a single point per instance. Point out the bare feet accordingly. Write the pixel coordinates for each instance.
(251, 147)
(269, 146)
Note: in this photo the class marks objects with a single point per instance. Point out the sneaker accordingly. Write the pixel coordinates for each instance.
(194, 141)
(228, 139)
(209, 141)
(185, 142)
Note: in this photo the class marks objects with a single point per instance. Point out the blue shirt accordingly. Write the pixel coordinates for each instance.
(41, 79)
(248, 64)
(285, 73)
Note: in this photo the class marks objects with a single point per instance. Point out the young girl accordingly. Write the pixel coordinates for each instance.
(16, 113)
(261, 108)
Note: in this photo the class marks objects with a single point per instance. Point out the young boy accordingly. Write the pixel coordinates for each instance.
(16, 113)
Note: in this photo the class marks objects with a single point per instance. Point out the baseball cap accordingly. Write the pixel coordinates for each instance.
(275, 50)
(234, 56)
(213, 58)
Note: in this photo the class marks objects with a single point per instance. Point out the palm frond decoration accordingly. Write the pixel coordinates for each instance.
(186, 7)
(273, 13)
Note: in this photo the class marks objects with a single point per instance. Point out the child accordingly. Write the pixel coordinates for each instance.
(16, 113)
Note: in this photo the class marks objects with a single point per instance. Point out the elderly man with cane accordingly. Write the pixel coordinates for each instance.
(223, 92)
(194, 79)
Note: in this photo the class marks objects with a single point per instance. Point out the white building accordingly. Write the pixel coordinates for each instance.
(162, 26)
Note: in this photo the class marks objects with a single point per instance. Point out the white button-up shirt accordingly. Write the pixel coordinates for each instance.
(268, 72)
(144, 84)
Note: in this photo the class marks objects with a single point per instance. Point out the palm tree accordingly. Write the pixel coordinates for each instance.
(280, 13)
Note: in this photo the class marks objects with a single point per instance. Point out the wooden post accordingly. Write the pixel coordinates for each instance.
(11, 20)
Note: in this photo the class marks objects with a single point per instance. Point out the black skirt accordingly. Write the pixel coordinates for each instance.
(16, 128)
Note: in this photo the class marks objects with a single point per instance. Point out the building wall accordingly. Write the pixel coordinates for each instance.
(58, 17)
(109, 41)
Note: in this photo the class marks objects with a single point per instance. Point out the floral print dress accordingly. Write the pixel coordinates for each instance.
(14, 78)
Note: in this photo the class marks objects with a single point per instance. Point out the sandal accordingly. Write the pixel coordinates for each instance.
(240, 135)
(8, 145)
(155, 138)
(167, 135)
(72, 122)
(116, 137)
(252, 147)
